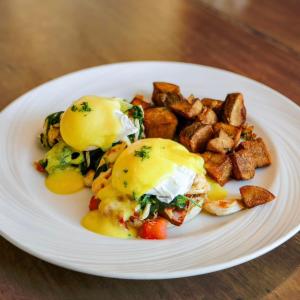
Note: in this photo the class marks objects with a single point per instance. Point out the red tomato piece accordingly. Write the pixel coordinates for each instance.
(39, 167)
(154, 229)
(94, 203)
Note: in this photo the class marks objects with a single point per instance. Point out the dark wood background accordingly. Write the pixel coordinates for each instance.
(40, 40)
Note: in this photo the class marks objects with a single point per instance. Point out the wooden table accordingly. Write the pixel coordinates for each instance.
(40, 40)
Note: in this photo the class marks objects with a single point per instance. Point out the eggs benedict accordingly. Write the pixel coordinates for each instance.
(77, 138)
(151, 179)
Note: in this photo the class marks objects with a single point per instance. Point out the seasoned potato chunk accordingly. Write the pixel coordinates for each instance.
(234, 111)
(243, 165)
(187, 109)
(218, 166)
(207, 117)
(213, 104)
(165, 93)
(196, 136)
(160, 123)
(254, 195)
(233, 131)
(139, 100)
(260, 153)
(221, 144)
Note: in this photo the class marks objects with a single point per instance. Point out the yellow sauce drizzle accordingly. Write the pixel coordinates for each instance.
(216, 192)
(66, 181)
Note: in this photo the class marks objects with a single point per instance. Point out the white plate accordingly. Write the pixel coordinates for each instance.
(47, 225)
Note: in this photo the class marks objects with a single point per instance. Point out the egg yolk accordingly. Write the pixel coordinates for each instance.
(65, 181)
(114, 209)
(91, 122)
(216, 191)
(145, 163)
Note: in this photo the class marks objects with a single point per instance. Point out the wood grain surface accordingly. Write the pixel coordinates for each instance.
(40, 40)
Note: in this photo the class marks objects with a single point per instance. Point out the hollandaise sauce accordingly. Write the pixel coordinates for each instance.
(216, 191)
(110, 219)
(65, 181)
(82, 122)
(146, 162)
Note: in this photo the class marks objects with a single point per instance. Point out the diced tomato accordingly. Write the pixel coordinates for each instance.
(154, 229)
(39, 167)
(94, 203)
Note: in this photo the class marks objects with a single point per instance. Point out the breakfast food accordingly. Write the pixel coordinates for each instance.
(153, 164)
(151, 179)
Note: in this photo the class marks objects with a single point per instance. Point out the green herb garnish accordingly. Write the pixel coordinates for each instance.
(83, 107)
(180, 201)
(143, 153)
(155, 203)
(125, 184)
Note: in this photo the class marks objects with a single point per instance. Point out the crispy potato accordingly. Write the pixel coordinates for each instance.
(233, 131)
(187, 109)
(218, 166)
(196, 136)
(221, 144)
(234, 110)
(139, 100)
(255, 195)
(260, 153)
(243, 165)
(160, 123)
(207, 117)
(213, 104)
(165, 93)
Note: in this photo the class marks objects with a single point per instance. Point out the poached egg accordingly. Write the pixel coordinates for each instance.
(89, 123)
(153, 166)
(95, 122)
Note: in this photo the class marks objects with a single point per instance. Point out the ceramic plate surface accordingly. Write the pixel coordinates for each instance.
(48, 226)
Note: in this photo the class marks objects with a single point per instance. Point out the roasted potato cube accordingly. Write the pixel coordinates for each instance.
(195, 136)
(243, 165)
(187, 109)
(254, 195)
(213, 104)
(232, 131)
(221, 144)
(260, 153)
(207, 117)
(218, 166)
(160, 122)
(234, 110)
(139, 100)
(165, 93)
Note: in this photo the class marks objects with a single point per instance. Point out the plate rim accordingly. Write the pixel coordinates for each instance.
(154, 275)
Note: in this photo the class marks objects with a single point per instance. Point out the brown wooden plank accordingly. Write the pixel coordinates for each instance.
(277, 20)
(58, 39)
(275, 275)
(40, 40)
